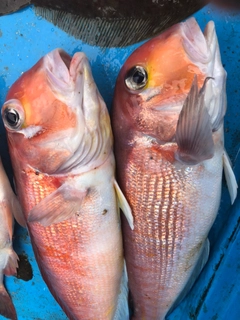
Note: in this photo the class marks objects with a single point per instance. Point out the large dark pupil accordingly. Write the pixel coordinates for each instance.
(138, 77)
(12, 118)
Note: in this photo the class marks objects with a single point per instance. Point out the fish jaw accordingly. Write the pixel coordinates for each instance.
(64, 125)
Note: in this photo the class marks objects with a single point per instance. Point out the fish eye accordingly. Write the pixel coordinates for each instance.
(12, 118)
(136, 78)
(12, 115)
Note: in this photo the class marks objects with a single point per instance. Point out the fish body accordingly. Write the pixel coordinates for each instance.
(168, 137)
(109, 23)
(60, 144)
(8, 257)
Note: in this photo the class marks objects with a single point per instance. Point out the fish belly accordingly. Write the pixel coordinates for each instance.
(174, 207)
(80, 259)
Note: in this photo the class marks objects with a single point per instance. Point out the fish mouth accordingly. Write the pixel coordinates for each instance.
(195, 42)
(61, 68)
(209, 32)
(201, 47)
(62, 58)
(203, 50)
(57, 64)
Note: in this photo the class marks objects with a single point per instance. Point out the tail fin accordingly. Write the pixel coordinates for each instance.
(7, 308)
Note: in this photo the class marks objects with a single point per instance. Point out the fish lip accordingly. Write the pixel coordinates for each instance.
(64, 56)
(57, 64)
(194, 42)
(60, 70)
(209, 32)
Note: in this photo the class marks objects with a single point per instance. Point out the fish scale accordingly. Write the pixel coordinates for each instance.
(157, 192)
(65, 259)
(61, 149)
(168, 112)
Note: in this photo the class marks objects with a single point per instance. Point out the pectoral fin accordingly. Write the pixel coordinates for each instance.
(194, 128)
(17, 211)
(57, 206)
(230, 177)
(123, 204)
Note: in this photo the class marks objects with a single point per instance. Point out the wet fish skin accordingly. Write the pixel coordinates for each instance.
(8, 257)
(169, 172)
(61, 150)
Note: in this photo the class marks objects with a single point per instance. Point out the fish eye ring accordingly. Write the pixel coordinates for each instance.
(136, 78)
(12, 115)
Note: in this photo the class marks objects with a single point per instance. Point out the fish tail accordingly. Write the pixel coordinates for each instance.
(122, 310)
(7, 308)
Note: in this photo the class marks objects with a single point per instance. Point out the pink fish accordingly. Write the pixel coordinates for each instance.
(8, 257)
(169, 104)
(60, 142)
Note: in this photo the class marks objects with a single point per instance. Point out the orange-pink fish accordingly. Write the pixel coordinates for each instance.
(169, 105)
(60, 143)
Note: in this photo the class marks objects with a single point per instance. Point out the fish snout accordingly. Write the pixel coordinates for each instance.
(195, 43)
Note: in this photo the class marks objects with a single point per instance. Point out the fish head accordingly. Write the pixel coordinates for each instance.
(156, 79)
(54, 115)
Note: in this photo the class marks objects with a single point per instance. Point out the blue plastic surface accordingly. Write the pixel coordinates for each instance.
(24, 39)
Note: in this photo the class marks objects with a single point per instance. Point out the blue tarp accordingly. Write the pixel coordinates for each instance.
(24, 39)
